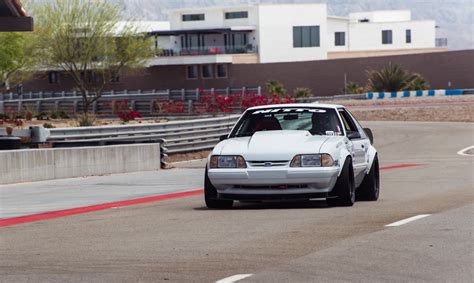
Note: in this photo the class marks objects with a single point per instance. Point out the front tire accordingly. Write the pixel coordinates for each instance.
(369, 190)
(344, 188)
(210, 196)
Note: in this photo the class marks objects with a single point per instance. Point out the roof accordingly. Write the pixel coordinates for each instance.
(12, 8)
(203, 31)
(310, 105)
(13, 17)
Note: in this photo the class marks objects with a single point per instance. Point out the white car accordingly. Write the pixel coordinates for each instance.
(293, 151)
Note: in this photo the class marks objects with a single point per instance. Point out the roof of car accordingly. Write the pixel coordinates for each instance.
(315, 105)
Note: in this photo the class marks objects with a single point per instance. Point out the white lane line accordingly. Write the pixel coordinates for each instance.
(462, 151)
(234, 278)
(408, 220)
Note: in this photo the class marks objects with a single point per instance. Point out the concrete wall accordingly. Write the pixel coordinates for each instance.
(45, 164)
(323, 77)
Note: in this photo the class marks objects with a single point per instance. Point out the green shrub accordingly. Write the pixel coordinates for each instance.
(48, 126)
(302, 92)
(275, 87)
(86, 120)
(353, 88)
(395, 78)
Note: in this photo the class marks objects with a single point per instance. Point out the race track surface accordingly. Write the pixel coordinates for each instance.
(179, 240)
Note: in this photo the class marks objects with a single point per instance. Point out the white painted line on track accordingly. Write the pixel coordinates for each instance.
(407, 220)
(234, 278)
(462, 151)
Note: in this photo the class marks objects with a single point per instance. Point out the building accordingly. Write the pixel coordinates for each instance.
(272, 33)
(297, 44)
(13, 17)
(379, 33)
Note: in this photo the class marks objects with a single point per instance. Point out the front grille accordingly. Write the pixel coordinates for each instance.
(272, 187)
(278, 163)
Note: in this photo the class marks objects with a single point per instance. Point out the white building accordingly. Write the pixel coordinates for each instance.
(269, 33)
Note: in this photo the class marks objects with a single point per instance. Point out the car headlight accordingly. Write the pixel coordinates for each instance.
(312, 160)
(227, 161)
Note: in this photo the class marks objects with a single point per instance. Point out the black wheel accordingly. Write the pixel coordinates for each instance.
(210, 196)
(344, 188)
(369, 190)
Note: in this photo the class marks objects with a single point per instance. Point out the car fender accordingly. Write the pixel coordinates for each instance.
(339, 150)
(371, 153)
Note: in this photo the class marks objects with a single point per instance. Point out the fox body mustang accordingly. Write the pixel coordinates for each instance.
(293, 151)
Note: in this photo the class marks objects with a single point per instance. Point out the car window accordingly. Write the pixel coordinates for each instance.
(318, 121)
(349, 125)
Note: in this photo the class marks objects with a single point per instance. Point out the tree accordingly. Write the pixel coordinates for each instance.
(13, 59)
(81, 39)
(395, 78)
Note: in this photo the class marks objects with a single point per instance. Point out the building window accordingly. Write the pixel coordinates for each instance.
(193, 17)
(340, 38)
(53, 77)
(221, 71)
(307, 36)
(207, 72)
(192, 72)
(236, 15)
(386, 37)
(408, 36)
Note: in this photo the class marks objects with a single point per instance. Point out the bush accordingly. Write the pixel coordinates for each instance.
(42, 116)
(275, 87)
(59, 114)
(86, 120)
(395, 78)
(48, 126)
(302, 92)
(353, 88)
(124, 111)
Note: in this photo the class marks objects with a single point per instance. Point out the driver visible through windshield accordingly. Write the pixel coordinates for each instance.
(318, 121)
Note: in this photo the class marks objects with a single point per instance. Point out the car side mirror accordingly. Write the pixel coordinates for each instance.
(223, 137)
(353, 135)
(369, 134)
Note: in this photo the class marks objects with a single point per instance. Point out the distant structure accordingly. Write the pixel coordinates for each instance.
(297, 44)
(13, 17)
(271, 33)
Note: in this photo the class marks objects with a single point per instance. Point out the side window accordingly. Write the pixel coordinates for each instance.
(349, 124)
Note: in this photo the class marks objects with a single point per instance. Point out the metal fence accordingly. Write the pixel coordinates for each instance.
(178, 137)
(142, 101)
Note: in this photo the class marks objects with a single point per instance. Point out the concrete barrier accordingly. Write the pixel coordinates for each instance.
(29, 165)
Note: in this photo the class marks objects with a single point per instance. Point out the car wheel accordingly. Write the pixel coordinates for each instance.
(210, 196)
(369, 190)
(344, 188)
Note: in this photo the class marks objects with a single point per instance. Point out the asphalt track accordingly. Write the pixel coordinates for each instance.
(178, 239)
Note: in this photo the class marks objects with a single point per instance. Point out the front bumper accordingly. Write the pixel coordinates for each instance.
(274, 183)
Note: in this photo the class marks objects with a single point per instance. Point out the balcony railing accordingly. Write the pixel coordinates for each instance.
(208, 50)
(441, 42)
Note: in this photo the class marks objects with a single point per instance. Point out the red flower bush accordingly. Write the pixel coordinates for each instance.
(124, 111)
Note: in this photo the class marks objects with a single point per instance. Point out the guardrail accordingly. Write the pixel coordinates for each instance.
(178, 137)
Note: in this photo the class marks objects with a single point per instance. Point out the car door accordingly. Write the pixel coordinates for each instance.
(360, 145)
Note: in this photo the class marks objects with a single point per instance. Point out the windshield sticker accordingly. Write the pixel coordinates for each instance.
(330, 133)
(288, 110)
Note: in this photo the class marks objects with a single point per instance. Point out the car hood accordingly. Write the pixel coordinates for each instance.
(272, 145)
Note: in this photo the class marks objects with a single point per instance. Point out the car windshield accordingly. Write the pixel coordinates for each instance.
(318, 121)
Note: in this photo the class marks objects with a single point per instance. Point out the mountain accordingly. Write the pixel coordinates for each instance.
(455, 18)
